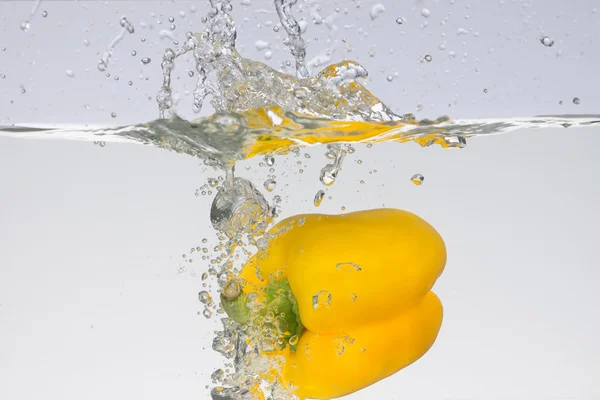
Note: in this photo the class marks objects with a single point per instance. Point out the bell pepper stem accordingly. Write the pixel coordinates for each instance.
(280, 302)
(233, 302)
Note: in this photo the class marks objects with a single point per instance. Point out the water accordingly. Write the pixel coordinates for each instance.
(224, 138)
(261, 111)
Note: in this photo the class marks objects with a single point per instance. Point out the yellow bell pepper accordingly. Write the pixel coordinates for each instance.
(347, 298)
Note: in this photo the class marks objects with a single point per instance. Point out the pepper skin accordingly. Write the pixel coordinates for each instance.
(362, 284)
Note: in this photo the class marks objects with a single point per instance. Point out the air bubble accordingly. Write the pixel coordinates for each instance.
(319, 198)
(348, 267)
(428, 58)
(546, 41)
(376, 10)
(146, 60)
(270, 161)
(425, 12)
(113, 114)
(44, 14)
(321, 299)
(576, 100)
(270, 185)
(390, 78)
(205, 298)
(399, 21)
(417, 179)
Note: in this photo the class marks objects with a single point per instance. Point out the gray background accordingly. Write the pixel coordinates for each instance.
(94, 302)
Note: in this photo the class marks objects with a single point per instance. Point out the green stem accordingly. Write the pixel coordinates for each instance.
(281, 308)
(233, 301)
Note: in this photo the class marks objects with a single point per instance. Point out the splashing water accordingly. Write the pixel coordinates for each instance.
(105, 60)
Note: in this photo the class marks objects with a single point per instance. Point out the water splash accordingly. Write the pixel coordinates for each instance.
(294, 40)
(26, 25)
(223, 138)
(127, 27)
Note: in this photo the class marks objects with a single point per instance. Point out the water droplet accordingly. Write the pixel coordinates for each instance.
(428, 58)
(321, 299)
(425, 12)
(275, 28)
(390, 78)
(173, 27)
(146, 60)
(546, 41)
(25, 26)
(576, 100)
(191, 73)
(417, 179)
(134, 53)
(348, 267)
(353, 297)
(399, 21)
(44, 14)
(130, 83)
(143, 39)
(171, 19)
(70, 73)
(2, 76)
(485, 90)
(23, 91)
(113, 114)
(270, 185)
(207, 313)
(86, 42)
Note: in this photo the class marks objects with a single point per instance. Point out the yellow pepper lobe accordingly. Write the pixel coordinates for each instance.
(362, 285)
(370, 353)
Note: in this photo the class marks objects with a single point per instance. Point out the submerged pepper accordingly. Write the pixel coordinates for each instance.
(347, 298)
